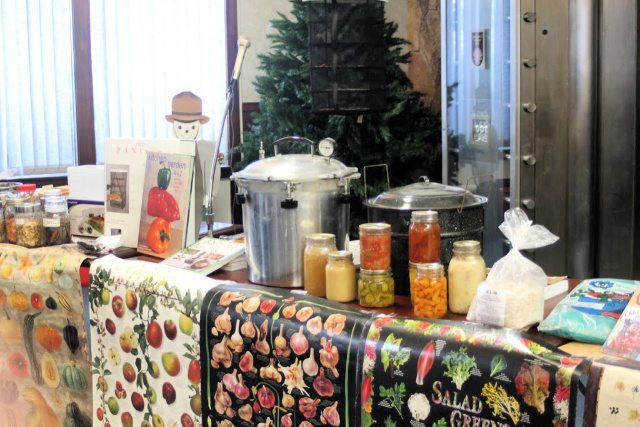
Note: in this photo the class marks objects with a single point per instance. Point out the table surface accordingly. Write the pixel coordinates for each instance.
(403, 308)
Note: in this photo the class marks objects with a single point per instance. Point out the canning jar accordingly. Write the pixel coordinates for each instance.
(376, 288)
(29, 231)
(466, 270)
(3, 233)
(424, 237)
(57, 228)
(29, 191)
(341, 277)
(413, 273)
(316, 254)
(375, 246)
(430, 287)
(10, 216)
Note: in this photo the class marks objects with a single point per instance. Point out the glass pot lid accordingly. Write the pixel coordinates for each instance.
(295, 167)
(425, 195)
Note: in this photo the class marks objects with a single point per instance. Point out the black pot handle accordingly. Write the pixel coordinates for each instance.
(289, 204)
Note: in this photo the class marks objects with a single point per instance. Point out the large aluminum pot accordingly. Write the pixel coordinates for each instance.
(460, 212)
(285, 198)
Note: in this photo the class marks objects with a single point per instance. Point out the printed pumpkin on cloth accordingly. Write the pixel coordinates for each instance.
(145, 343)
(44, 359)
(272, 357)
(453, 374)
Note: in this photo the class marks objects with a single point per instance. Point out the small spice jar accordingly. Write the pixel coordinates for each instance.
(57, 227)
(424, 237)
(430, 288)
(466, 270)
(376, 288)
(316, 254)
(29, 191)
(375, 246)
(341, 277)
(29, 230)
(10, 215)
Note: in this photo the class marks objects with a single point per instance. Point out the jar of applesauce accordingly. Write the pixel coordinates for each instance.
(376, 288)
(466, 270)
(316, 255)
(430, 291)
(341, 277)
(375, 246)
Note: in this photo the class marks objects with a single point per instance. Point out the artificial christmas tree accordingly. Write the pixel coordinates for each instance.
(406, 136)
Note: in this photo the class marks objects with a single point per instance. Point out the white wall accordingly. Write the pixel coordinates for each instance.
(254, 18)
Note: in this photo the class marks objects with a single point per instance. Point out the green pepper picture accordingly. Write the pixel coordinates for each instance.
(164, 176)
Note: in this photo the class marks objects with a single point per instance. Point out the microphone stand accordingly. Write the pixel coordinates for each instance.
(209, 215)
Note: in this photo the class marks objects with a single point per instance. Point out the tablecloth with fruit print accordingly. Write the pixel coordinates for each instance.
(44, 360)
(145, 343)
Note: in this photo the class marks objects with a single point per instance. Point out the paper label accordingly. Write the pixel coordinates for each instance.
(618, 397)
(491, 306)
(51, 222)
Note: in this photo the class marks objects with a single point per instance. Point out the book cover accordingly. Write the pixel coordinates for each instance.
(206, 255)
(166, 197)
(124, 169)
(624, 339)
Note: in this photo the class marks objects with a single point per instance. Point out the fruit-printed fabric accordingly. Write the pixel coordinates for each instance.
(44, 358)
(145, 340)
(444, 373)
(272, 357)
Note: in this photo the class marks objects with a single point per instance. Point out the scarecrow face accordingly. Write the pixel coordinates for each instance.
(186, 130)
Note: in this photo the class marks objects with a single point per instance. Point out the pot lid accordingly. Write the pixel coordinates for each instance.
(295, 167)
(425, 195)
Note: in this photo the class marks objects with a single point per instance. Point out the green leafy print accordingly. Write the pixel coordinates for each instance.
(389, 422)
(442, 422)
(392, 355)
(498, 364)
(394, 396)
(459, 366)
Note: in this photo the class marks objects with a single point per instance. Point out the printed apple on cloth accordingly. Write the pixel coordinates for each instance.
(44, 358)
(145, 341)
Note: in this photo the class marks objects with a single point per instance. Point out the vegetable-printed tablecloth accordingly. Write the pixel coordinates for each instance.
(440, 373)
(44, 360)
(145, 343)
(273, 357)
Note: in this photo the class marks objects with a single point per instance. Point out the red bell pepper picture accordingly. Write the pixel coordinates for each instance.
(162, 204)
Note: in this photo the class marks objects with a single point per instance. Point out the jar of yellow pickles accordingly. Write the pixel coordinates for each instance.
(430, 291)
(376, 288)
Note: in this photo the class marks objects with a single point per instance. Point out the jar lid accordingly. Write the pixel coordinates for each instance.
(52, 192)
(466, 244)
(340, 255)
(424, 216)
(386, 272)
(431, 269)
(414, 265)
(375, 228)
(27, 187)
(321, 238)
(425, 195)
(55, 204)
(28, 207)
(16, 199)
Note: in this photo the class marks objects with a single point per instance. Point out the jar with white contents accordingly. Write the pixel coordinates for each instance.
(341, 277)
(466, 270)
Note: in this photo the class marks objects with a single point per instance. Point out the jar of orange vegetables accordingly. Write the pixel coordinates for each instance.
(424, 237)
(375, 246)
(430, 291)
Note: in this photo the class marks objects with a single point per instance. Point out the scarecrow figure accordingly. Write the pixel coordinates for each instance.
(186, 116)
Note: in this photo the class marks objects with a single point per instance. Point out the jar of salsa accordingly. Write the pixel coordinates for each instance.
(430, 288)
(424, 237)
(376, 288)
(316, 255)
(375, 246)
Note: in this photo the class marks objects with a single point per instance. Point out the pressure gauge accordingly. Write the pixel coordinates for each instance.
(326, 147)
